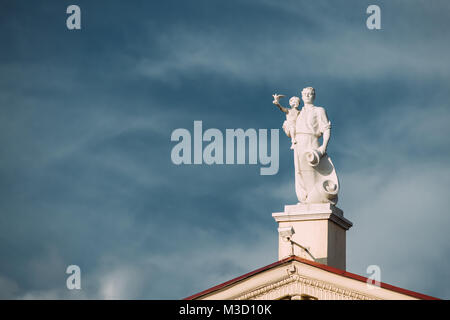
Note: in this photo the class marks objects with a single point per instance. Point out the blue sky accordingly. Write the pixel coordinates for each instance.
(86, 118)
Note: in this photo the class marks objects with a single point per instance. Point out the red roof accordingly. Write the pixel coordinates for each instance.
(317, 265)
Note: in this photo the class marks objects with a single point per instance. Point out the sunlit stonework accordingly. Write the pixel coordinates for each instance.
(311, 233)
(315, 177)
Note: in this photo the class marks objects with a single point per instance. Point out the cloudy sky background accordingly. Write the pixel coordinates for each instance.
(86, 118)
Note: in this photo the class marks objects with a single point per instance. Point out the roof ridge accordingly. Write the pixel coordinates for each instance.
(317, 265)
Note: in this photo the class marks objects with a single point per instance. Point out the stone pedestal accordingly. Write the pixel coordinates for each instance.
(318, 227)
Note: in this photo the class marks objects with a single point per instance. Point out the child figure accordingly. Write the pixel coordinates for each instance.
(291, 115)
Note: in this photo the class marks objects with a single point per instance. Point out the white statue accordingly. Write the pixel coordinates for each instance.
(315, 177)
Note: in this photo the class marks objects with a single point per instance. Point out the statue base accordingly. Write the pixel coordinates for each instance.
(314, 231)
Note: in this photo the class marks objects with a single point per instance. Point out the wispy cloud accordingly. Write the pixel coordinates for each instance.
(339, 47)
(85, 171)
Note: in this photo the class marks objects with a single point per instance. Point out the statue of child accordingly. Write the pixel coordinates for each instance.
(291, 114)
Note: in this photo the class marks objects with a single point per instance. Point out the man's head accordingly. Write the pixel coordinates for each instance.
(294, 102)
(308, 95)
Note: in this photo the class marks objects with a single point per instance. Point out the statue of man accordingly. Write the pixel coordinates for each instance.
(315, 177)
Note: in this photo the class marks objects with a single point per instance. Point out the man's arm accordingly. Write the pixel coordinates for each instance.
(324, 123)
(326, 137)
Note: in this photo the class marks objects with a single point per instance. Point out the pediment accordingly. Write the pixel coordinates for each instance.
(295, 278)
